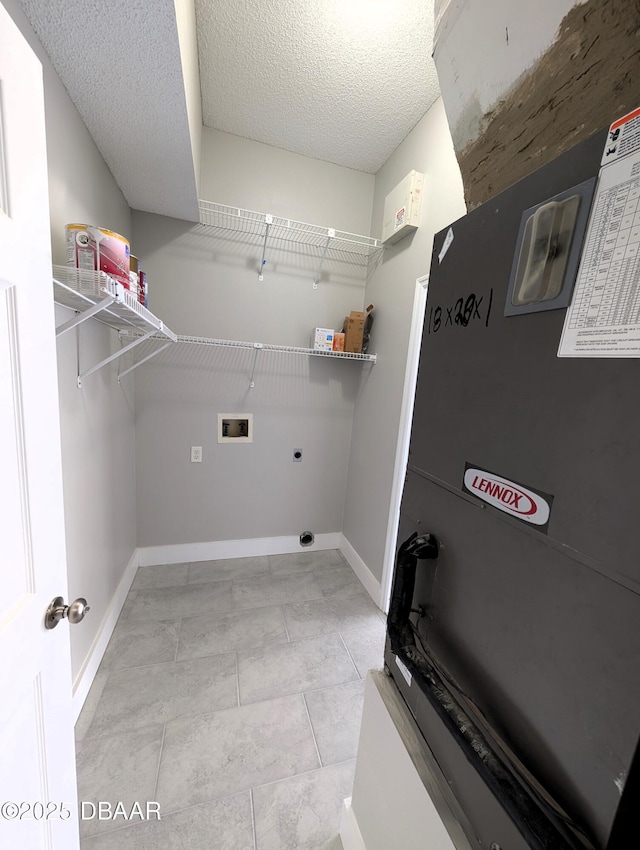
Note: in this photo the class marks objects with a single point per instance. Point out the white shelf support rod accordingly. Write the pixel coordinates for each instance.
(115, 356)
(258, 346)
(268, 222)
(144, 359)
(86, 314)
(330, 235)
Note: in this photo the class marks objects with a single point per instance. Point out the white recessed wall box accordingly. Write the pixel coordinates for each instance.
(235, 427)
(402, 208)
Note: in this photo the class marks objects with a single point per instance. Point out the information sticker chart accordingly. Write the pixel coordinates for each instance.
(609, 294)
(604, 317)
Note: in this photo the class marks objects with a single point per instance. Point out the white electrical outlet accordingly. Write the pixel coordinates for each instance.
(196, 454)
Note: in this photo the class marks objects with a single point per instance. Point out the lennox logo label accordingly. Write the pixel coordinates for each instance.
(515, 499)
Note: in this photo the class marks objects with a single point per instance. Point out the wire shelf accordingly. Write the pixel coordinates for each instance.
(260, 224)
(264, 346)
(82, 289)
(256, 347)
(93, 294)
(286, 349)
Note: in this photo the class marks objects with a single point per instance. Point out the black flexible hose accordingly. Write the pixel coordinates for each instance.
(542, 831)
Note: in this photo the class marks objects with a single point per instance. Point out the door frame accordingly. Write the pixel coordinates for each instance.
(404, 437)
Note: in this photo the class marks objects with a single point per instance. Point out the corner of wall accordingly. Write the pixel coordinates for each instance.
(370, 582)
(85, 676)
(187, 38)
(350, 834)
(391, 287)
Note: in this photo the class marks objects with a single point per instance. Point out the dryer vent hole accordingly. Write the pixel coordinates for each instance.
(306, 538)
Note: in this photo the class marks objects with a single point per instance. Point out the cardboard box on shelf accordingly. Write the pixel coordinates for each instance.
(353, 331)
(322, 339)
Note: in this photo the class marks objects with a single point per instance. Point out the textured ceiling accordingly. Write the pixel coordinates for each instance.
(120, 62)
(338, 80)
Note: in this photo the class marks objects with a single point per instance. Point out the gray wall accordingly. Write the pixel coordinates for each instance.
(96, 422)
(391, 287)
(206, 284)
(259, 177)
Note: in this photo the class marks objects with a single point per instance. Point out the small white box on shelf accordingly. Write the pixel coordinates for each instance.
(322, 339)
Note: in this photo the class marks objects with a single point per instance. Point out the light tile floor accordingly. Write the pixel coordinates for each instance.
(230, 694)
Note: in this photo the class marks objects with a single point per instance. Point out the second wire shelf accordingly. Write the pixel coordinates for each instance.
(271, 229)
(258, 347)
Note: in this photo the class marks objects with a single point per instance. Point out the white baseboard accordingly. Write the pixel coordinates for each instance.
(349, 829)
(85, 677)
(217, 550)
(371, 583)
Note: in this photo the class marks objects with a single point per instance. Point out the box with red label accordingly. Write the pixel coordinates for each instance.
(95, 249)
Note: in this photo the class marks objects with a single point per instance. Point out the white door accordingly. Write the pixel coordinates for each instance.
(38, 806)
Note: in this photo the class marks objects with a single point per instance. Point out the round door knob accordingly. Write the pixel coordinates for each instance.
(57, 611)
(77, 610)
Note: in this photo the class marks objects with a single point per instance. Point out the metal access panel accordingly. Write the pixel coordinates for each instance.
(539, 624)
